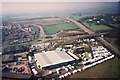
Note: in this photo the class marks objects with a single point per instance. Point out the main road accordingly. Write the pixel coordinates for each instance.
(42, 33)
(81, 26)
(102, 40)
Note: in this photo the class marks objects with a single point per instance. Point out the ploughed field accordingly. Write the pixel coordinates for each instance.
(72, 33)
(44, 21)
(55, 28)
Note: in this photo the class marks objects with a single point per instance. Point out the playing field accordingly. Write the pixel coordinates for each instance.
(52, 29)
(95, 27)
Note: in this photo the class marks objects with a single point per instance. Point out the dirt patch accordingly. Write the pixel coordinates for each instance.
(71, 33)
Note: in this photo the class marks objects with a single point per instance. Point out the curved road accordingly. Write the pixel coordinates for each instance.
(42, 33)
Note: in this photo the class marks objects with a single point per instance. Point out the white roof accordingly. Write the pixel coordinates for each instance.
(73, 55)
(52, 57)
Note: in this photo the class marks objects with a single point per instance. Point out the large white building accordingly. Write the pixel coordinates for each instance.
(52, 59)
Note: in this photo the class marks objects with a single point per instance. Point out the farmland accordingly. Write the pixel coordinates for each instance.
(115, 25)
(52, 29)
(96, 28)
(44, 21)
(108, 69)
(76, 17)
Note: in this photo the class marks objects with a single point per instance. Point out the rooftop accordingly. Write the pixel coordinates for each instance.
(49, 58)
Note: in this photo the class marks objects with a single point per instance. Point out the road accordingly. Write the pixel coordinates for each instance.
(42, 33)
(81, 26)
(102, 40)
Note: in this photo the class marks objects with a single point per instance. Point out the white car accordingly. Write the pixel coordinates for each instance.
(34, 71)
(79, 69)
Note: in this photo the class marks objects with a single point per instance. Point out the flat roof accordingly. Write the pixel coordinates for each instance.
(49, 58)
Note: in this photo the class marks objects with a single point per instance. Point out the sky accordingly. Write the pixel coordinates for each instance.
(52, 8)
(60, 0)
(12, 7)
(43, 7)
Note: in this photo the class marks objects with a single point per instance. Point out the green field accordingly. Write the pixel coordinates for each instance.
(76, 17)
(115, 25)
(95, 27)
(52, 29)
(108, 69)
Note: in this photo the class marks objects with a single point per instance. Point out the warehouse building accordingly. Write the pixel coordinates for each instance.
(52, 59)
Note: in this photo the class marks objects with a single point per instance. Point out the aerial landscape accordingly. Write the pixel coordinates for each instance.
(60, 40)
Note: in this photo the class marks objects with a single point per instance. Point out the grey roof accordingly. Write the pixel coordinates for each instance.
(52, 57)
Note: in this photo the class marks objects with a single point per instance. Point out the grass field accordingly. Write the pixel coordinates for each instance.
(115, 25)
(52, 29)
(95, 27)
(75, 17)
(108, 69)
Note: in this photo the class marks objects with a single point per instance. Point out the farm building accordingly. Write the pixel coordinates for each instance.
(45, 60)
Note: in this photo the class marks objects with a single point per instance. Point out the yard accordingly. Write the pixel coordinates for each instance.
(52, 29)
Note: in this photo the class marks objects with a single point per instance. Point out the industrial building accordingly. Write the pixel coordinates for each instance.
(52, 59)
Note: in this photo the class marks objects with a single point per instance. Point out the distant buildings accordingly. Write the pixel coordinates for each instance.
(19, 33)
